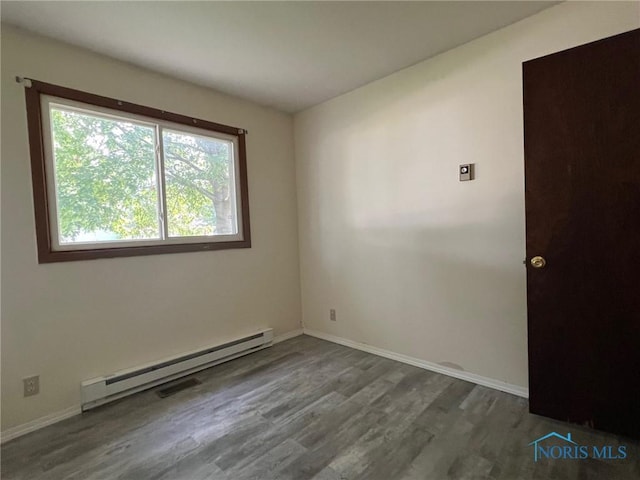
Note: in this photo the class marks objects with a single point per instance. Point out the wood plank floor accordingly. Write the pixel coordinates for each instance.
(310, 409)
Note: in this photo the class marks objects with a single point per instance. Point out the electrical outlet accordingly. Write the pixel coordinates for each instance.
(332, 315)
(31, 385)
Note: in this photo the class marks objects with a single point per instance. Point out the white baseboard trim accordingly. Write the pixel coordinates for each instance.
(32, 426)
(287, 336)
(416, 362)
(38, 423)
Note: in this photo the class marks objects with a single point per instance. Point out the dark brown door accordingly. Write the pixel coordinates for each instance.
(582, 175)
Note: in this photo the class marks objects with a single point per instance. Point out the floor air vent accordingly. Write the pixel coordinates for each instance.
(98, 391)
(177, 387)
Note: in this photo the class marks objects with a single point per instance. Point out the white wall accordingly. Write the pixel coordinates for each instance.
(72, 321)
(413, 260)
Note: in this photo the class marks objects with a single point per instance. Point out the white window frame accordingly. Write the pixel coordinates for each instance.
(47, 101)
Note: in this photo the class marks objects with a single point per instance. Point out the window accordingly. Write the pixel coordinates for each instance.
(116, 179)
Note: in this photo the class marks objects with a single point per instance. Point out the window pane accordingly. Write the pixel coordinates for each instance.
(199, 183)
(105, 178)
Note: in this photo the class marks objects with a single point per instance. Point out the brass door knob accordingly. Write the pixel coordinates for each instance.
(538, 262)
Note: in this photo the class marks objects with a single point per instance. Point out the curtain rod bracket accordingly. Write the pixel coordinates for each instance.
(24, 80)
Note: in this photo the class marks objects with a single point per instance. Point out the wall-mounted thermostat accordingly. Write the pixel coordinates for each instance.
(466, 172)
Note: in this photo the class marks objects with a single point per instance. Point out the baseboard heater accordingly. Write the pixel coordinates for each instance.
(98, 391)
